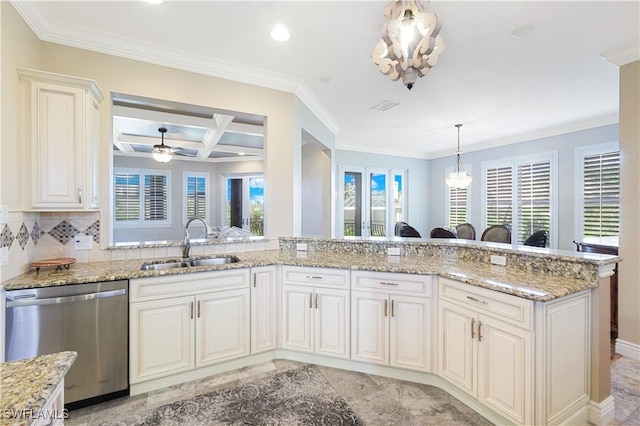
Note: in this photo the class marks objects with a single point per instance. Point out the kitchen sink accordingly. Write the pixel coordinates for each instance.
(205, 261)
(210, 261)
(163, 266)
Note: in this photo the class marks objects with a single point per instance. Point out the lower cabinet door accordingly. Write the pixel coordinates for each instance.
(409, 332)
(331, 322)
(264, 309)
(162, 338)
(370, 327)
(505, 369)
(222, 326)
(457, 342)
(297, 318)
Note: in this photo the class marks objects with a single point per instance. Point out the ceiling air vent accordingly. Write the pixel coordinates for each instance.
(385, 106)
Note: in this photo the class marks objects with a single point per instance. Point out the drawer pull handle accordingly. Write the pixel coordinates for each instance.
(476, 300)
(473, 331)
(314, 277)
(388, 283)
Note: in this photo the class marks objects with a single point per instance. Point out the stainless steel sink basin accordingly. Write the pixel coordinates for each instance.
(206, 261)
(210, 261)
(163, 266)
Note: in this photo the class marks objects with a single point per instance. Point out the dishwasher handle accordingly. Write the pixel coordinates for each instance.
(66, 299)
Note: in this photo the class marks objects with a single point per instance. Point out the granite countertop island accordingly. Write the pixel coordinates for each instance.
(27, 385)
(539, 275)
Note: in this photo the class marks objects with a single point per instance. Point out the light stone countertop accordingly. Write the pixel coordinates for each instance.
(515, 280)
(27, 385)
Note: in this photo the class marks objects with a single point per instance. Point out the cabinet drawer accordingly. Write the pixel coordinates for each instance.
(505, 307)
(317, 277)
(154, 288)
(366, 280)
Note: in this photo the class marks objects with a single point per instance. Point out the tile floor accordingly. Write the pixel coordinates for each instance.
(377, 400)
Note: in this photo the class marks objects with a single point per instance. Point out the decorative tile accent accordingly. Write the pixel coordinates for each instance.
(64, 232)
(23, 236)
(94, 231)
(36, 233)
(6, 237)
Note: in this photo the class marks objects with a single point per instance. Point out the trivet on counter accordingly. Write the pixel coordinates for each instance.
(59, 263)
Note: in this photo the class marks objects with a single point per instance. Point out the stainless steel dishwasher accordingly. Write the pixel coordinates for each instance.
(91, 319)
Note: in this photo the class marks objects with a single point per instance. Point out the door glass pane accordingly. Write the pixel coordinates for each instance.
(352, 204)
(256, 205)
(378, 204)
(398, 198)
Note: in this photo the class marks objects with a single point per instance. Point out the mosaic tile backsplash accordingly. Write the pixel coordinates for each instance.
(63, 232)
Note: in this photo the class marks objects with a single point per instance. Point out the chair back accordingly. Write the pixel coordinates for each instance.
(537, 239)
(466, 231)
(442, 233)
(409, 231)
(398, 228)
(497, 234)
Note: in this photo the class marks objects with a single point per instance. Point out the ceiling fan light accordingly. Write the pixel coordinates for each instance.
(162, 153)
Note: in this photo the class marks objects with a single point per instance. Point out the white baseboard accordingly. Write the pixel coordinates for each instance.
(628, 349)
(601, 413)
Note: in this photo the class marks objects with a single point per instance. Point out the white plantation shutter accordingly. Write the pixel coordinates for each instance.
(457, 206)
(127, 197)
(534, 199)
(196, 197)
(601, 194)
(499, 196)
(155, 197)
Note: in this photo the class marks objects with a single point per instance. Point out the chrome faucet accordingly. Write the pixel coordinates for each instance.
(186, 242)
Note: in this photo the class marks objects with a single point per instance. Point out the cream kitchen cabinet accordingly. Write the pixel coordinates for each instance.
(60, 118)
(487, 342)
(315, 310)
(391, 319)
(264, 309)
(181, 322)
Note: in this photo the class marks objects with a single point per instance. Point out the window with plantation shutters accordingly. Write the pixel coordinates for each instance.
(534, 199)
(521, 193)
(196, 195)
(458, 210)
(600, 194)
(141, 198)
(499, 196)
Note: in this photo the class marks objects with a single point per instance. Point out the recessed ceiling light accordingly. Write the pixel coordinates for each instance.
(280, 33)
(241, 153)
(522, 31)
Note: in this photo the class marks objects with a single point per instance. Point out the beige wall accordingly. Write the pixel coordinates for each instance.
(629, 269)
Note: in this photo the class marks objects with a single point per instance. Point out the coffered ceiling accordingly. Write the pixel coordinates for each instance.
(503, 89)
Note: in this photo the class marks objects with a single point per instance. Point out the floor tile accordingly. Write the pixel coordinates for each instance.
(380, 409)
(350, 384)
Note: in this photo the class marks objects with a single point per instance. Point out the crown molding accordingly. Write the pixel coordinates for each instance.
(537, 134)
(48, 30)
(392, 151)
(623, 55)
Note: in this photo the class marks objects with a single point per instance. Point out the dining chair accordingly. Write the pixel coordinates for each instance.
(398, 228)
(537, 239)
(497, 234)
(442, 233)
(409, 231)
(466, 231)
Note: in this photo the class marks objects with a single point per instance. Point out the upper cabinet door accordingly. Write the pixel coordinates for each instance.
(61, 132)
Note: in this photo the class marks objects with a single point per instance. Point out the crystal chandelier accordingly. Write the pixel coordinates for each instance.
(410, 42)
(458, 178)
(162, 153)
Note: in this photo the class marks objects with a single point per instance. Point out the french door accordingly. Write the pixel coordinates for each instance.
(372, 200)
(245, 203)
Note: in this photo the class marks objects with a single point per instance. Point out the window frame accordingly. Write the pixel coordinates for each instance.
(513, 163)
(141, 222)
(207, 177)
(447, 197)
(580, 153)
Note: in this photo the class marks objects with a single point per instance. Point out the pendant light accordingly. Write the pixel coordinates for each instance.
(458, 178)
(162, 153)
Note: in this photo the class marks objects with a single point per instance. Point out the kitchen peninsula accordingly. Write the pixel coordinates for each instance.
(497, 337)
